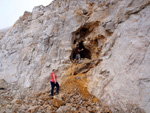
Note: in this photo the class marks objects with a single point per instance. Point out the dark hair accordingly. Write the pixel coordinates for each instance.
(53, 70)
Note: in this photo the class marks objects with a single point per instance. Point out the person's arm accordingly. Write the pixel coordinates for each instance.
(80, 49)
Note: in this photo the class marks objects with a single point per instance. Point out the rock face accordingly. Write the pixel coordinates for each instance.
(2, 32)
(115, 37)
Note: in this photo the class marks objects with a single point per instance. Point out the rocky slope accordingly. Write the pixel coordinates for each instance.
(73, 97)
(115, 37)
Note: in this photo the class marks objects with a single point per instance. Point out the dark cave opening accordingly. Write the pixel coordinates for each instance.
(84, 54)
(78, 37)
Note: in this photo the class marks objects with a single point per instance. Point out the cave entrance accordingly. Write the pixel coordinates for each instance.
(84, 54)
(78, 37)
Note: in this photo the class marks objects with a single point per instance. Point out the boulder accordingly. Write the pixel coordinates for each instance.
(57, 102)
(3, 84)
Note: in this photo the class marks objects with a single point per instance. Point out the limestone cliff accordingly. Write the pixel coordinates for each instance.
(116, 57)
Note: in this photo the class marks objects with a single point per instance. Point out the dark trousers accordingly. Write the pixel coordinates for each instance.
(53, 86)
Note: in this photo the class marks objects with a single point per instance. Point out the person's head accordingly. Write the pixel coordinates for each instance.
(54, 70)
(77, 45)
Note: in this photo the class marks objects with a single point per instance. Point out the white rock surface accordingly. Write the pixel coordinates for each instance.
(117, 32)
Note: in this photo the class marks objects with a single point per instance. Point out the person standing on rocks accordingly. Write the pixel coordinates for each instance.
(54, 83)
(77, 53)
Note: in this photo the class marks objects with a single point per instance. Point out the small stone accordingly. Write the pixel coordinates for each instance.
(83, 110)
(49, 109)
(85, 105)
(95, 100)
(71, 100)
(73, 109)
(19, 101)
(7, 111)
(3, 84)
(56, 102)
(9, 106)
(33, 109)
(89, 108)
(60, 110)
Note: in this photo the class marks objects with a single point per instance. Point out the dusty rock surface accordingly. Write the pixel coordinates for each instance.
(115, 36)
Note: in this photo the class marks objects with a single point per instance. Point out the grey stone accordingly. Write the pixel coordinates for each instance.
(3, 84)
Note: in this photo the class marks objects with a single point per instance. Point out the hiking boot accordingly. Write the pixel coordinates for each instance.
(79, 61)
(57, 93)
(52, 97)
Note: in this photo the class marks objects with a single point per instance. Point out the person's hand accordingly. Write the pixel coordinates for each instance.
(80, 50)
(55, 82)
